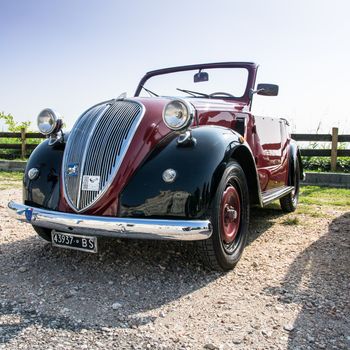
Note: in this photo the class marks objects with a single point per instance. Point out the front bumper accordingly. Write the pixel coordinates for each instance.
(182, 230)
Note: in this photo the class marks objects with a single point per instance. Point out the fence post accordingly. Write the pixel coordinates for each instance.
(334, 149)
(23, 142)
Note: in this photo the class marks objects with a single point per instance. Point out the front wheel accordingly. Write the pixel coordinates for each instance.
(230, 220)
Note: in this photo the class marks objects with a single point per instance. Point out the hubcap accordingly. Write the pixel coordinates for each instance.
(230, 214)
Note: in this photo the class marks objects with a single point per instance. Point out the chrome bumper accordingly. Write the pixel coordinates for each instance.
(182, 230)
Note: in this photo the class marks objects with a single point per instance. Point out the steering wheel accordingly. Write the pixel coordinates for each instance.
(214, 94)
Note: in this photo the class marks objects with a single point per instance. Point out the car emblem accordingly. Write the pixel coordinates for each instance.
(72, 169)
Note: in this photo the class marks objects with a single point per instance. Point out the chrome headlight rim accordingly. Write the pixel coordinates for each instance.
(190, 115)
(55, 121)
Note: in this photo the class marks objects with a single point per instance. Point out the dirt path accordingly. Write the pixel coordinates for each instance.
(289, 291)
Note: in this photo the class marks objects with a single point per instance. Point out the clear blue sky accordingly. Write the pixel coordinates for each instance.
(71, 54)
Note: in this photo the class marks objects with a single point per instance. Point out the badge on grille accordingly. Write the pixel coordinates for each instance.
(91, 183)
(72, 169)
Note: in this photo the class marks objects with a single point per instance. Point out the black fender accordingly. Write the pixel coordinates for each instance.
(44, 192)
(294, 155)
(199, 167)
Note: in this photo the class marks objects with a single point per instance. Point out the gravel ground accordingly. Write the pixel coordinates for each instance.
(289, 291)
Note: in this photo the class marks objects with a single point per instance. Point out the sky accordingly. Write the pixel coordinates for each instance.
(70, 54)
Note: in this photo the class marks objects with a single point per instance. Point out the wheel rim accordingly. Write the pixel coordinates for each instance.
(230, 216)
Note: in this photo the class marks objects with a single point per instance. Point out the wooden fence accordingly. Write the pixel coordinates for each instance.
(23, 148)
(333, 152)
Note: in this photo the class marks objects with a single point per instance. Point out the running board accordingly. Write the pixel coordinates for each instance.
(276, 193)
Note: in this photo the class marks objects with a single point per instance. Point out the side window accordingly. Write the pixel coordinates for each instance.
(269, 132)
(269, 138)
(284, 135)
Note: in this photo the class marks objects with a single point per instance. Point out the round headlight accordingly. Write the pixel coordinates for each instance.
(178, 115)
(47, 121)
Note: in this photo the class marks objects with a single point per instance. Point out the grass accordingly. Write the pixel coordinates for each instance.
(319, 202)
(311, 197)
(291, 221)
(314, 203)
(11, 175)
(324, 196)
(310, 210)
(10, 179)
(14, 159)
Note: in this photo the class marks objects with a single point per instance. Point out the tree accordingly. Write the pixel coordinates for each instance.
(12, 125)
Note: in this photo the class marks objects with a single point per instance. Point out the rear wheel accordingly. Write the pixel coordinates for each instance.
(290, 202)
(230, 220)
(43, 232)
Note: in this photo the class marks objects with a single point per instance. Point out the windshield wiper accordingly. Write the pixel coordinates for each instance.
(193, 93)
(150, 92)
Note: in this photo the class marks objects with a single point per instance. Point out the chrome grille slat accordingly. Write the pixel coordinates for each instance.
(105, 139)
(93, 169)
(121, 134)
(80, 130)
(104, 172)
(109, 155)
(83, 158)
(110, 128)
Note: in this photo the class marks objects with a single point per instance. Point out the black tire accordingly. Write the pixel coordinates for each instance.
(44, 233)
(290, 202)
(219, 252)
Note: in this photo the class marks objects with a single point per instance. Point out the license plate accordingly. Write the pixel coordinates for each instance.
(77, 242)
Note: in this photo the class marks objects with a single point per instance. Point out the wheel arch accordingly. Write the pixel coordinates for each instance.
(294, 156)
(44, 191)
(244, 157)
(199, 166)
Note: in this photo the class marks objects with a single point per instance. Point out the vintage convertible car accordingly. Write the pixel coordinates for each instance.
(184, 159)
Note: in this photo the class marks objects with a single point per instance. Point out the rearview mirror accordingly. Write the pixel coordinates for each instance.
(267, 89)
(200, 76)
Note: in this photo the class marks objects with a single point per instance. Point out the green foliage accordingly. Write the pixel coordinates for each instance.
(291, 221)
(320, 196)
(12, 125)
(324, 164)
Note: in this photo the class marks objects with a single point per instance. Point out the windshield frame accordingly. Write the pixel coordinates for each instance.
(250, 66)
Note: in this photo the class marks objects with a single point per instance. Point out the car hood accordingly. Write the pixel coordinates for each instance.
(148, 134)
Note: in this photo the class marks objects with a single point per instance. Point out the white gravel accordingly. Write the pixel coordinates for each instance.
(289, 291)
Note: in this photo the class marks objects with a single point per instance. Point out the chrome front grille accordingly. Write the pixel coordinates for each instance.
(96, 148)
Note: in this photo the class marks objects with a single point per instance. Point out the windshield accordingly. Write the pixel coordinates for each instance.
(211, 83)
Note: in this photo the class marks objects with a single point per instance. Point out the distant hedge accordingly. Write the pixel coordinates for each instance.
(324, 164)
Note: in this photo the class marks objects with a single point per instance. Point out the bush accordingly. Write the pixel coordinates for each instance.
(13, 126)
(324, 164)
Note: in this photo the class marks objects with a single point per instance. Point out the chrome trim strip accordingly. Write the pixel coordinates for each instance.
(276, 193)
(158, 229)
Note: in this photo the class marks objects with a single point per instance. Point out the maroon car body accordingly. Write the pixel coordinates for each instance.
(163, 167)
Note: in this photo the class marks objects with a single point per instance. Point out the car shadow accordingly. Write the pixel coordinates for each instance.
(261, 219)
(73, 290)
(318, 280)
